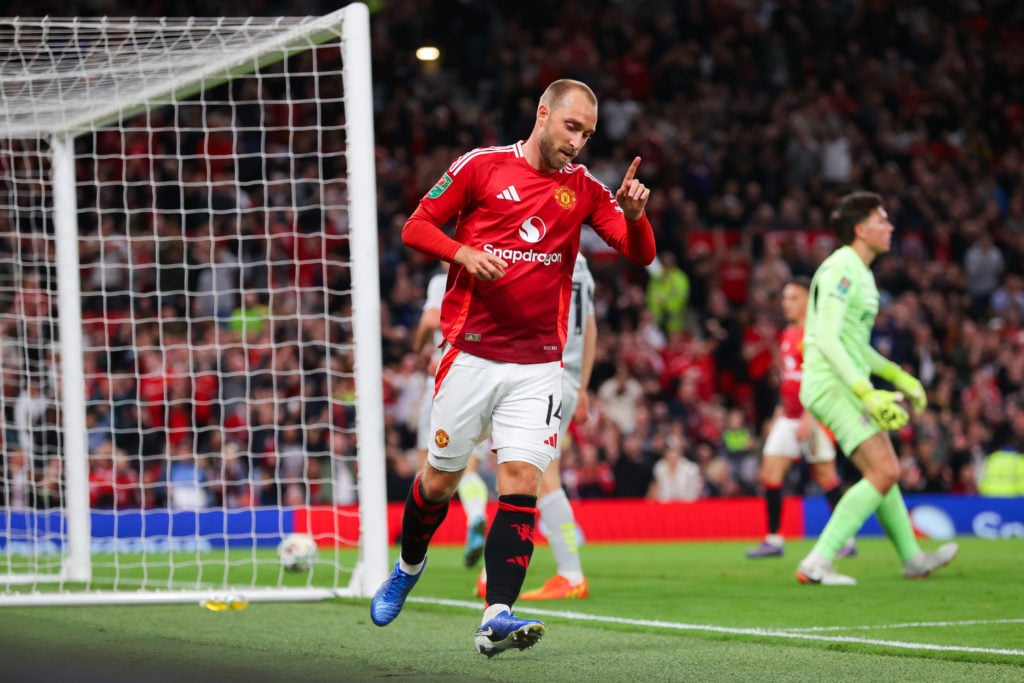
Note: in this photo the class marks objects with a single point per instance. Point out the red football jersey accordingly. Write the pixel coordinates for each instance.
(791, 348)
(531, 220)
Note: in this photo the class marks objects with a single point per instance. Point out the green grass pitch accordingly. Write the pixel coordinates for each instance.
(656, 612)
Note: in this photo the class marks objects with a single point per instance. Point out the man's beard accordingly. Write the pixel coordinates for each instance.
(551, 154)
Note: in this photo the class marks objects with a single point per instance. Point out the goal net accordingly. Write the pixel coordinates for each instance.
(189, 309)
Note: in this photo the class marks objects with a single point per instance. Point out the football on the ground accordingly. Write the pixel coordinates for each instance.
(297, 552)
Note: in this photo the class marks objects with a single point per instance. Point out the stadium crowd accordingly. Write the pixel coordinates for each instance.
(752, 118)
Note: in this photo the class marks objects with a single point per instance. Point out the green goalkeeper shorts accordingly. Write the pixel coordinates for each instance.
(841, 411)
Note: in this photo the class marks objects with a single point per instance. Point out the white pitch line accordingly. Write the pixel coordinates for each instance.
(913, 624)
(770, 633)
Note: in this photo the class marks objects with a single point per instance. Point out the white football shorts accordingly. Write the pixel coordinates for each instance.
(781, 440)
(570, 397)
(517, 403)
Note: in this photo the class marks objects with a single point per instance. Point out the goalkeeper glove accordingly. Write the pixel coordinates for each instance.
(882, 405)
(908, 385)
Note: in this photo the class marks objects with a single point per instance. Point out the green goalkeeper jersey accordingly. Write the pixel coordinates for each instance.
(841, 311)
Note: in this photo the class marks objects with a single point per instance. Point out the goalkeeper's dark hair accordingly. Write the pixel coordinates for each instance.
(800, 281)
(851, 210)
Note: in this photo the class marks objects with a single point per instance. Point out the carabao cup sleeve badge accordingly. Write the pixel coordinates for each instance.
(442, 185)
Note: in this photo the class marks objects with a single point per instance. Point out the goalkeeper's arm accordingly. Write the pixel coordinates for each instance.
(882, 405)
(903, 381)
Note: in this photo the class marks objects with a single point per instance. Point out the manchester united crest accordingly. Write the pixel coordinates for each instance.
(441, 438)
(565, 197)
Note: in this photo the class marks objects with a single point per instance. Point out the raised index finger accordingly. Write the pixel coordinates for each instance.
(631, 171)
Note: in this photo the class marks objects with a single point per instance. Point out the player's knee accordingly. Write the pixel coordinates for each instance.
(823, 472)
(884, 476)
(891, 474)
(773, 471)
(518, 477)
(438, 485)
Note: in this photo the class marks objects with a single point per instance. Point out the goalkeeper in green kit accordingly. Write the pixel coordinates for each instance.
(838, 365)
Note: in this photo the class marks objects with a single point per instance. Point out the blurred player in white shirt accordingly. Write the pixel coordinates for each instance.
(556, 516)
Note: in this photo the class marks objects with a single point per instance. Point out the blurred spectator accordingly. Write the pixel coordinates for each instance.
(186, 479)
(759, 348)
(250, 319)
(101, 476)
(668, 291)
(401, 468)
(49, 485)
(1009, 296)
(741, 449)
(720, 477)
(343, 486)
(29, 411)
(213, 279)
(771, 272)
(1003, 474)
(231, 488)
(983, 264)
(618, 398)
(675, 477)
(97, 425)
(16, 480)
(632, 468)
(590, 477)
(127, 488)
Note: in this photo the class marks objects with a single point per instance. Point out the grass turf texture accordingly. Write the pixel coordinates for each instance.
(657, 612)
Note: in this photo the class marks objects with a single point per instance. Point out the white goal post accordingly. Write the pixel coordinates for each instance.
(190, 348)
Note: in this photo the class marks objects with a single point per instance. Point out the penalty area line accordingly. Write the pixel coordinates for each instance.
(759, 632)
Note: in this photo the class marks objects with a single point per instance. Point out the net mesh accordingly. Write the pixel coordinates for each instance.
(215, 293)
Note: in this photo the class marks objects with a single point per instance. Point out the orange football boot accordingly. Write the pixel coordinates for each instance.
(557, 588)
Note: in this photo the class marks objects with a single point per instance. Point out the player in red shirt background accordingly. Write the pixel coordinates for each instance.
(504, 317)
(794, 432)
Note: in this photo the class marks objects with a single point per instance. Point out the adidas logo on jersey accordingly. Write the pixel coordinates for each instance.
(509, 193)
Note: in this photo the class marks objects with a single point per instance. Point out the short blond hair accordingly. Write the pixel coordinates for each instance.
(556, 93)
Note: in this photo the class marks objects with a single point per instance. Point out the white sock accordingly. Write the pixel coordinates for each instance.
(556, 515)
(412, 569)
(493, 611)
(814, 557)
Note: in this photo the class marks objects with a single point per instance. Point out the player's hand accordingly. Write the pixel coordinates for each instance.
(480, 264)
(803, 428)
(582, 412)
(632, 195)
(883, 406)
(912, 389)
